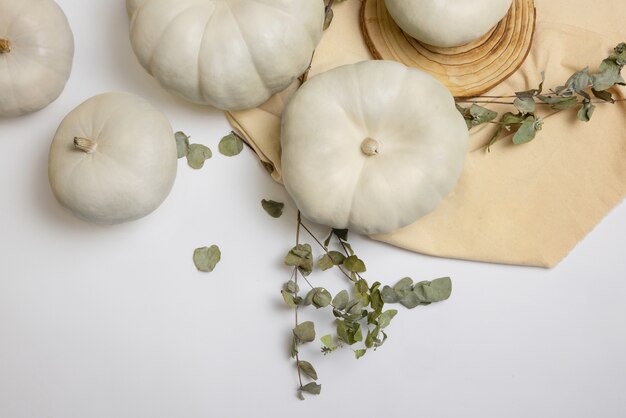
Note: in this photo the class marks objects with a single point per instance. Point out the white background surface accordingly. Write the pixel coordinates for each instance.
(115, 321)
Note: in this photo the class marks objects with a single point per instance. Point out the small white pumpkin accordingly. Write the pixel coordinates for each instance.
(232, 54)
(371, 146)
(113, 159)
(447, 23)
(36, 53)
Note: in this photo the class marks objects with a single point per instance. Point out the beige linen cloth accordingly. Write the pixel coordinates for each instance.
(528, 204)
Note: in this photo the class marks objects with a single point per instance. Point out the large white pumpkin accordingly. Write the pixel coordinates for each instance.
(372, 146)
(232, 54)
(113, 159)
(36, 53)
(447, 23)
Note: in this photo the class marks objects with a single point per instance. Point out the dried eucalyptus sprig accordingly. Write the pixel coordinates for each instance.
(359, 311)
(196, 154)
(577, 93)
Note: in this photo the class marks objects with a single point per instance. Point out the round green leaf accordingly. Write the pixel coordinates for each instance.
(206, 258)
(197, 155)
(231, 145)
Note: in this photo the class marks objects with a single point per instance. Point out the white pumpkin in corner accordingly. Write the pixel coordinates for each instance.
(232, 54)
(113, 159)
(372, 146)
(447, 23)
(36, 53)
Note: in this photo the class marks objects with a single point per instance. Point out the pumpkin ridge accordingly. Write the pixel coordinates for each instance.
(357, 185)
(17, 16)
(15, 101)
(252, 56)
(200, 49)
(104, 125)
(164, 32)
(41, 64)
(291, 17)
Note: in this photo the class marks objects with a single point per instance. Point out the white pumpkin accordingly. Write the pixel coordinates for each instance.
(447, 23)
(371, 146)
(36, 53)
(113, 159)
(232, 54)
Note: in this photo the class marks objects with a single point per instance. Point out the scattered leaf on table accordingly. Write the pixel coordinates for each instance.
(230, 145)
(182, 144)
(274, 209)
(197, 155)
(206, 258)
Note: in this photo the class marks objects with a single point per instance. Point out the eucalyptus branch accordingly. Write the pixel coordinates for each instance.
(360, 319)
(295, 276)
(575, 93)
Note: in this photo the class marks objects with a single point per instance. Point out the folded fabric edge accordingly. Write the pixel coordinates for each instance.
(269, 165)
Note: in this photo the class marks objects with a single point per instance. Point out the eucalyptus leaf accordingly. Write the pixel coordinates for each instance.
(328, 18)
(305, 332)
(385, 318)
(357, 336)
(289, 299)
(525, 105)
(342, 234)
(327, 340)
(291, 287)
(410, 300)
(389, 295)
(476, 115)
(230, 145)
(369, 339)
(342, 332)
(336, 257)
(182, 144)
(579, 80)
(603, 95)
(301, 256)
(404, 284)
(586, 111)
(359, 353)
(354, 264)
(321, 298)
(326, 263)
(608, 75)
(197, 155)
(294, 347)
(341, 300)
(376, 300)
(206, 258)
(526, 132)
(273, 208)
(438, 290)
(559, 102)
(308, 369)
(312, 388)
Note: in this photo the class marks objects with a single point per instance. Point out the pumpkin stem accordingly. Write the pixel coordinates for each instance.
(5, 46)
(370, 147)
(86, 145)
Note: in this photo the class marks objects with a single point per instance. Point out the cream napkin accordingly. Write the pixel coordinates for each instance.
(528, 204)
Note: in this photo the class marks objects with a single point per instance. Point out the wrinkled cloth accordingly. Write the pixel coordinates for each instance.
(525, 205)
